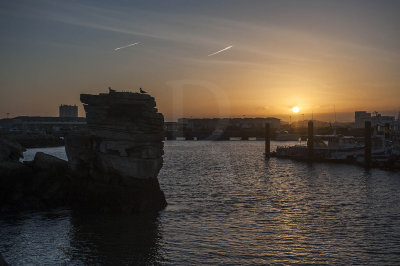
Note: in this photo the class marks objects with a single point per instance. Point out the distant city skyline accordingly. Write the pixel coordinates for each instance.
(206, 58)
(294, 118)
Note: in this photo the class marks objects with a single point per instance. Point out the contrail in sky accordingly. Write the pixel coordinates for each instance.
(226, 48)
(126, 46)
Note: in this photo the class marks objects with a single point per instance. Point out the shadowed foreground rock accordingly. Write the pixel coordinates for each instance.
(10, 153)
(2, 261)
(112, 165)
(40, 184)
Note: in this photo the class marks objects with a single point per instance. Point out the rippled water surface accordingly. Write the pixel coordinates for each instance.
(227, 205)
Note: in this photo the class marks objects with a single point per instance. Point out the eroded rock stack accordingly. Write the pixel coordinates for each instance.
(119, 156)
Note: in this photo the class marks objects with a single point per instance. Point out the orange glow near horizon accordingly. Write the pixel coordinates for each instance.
(272, 65)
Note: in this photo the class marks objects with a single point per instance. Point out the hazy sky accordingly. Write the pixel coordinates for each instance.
(313, 54)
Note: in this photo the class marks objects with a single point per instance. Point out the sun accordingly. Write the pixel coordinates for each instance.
(295, 109)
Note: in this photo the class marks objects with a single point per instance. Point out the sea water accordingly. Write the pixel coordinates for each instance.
(227, 205)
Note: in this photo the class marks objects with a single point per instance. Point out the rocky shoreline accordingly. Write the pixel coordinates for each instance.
(112, 165)
(41, 184)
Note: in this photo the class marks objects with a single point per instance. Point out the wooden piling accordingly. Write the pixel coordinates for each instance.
(387, 130)
(310, 140)
(267, 140)
(367, 139)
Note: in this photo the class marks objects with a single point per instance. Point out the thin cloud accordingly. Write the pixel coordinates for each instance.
(217, 52)
(126, 46)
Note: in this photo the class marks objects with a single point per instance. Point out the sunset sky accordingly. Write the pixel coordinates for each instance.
(317, 55)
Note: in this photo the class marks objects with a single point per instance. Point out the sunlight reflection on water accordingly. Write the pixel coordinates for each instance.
(228, 205)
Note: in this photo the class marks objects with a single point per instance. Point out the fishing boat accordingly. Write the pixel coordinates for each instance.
(286, 136)
(326, 147)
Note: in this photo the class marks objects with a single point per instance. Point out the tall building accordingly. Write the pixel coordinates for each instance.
(360, 117)
(68, 111)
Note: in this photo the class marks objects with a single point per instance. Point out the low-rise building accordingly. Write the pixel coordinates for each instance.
(68, 110)
(40, 124)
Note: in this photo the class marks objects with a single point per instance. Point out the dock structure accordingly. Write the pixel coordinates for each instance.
(267, 140)
(310, 140)
(367, 139)
(378, 149)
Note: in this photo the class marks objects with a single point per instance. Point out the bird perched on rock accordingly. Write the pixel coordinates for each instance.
(142, 91)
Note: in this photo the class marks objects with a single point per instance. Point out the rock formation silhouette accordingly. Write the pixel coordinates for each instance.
(119, 156)
(112, 164)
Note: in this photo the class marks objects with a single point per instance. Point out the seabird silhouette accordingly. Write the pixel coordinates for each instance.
(142, 91)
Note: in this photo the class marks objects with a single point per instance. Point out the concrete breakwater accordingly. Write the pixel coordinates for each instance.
(30, 141)
(112, 164)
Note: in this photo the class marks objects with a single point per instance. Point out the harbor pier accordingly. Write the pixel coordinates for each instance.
(367, 150)
(267, 140)
(310, 140)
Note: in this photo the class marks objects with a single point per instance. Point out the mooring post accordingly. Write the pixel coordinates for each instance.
(267, 140)
(387, 130)
(367, 150)
(310, 140)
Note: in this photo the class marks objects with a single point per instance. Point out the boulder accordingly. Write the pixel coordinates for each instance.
(10, 166)
(10, 150)
(47, 162)
(40, 184)
(8, 169)
(36, 185)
